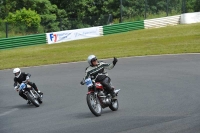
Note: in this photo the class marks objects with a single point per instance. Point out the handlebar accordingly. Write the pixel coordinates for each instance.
(25, 81)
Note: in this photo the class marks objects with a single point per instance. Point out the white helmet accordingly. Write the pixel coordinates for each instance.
(17, 72)
(91, 58)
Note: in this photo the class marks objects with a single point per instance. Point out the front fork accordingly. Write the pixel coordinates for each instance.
(95, 92)
(29, 90)
(33, 94)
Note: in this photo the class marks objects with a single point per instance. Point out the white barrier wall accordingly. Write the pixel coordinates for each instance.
(189, 18)
(69, 35)
(162, 22)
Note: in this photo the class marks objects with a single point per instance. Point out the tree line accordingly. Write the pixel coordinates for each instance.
(53, 15)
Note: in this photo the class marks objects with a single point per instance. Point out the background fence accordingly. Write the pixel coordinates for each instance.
(13, 42)
(11, 30)
(123, 27)
(126, 11)
(162, 22)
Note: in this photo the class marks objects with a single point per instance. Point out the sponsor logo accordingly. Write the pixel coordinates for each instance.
(58, 37)
(53, 37)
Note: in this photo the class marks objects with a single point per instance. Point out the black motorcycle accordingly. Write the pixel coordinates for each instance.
(31, 94)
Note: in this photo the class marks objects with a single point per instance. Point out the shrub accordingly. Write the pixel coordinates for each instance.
(28, 20)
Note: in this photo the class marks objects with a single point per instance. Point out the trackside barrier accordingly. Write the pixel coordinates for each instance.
(123, 27)
(69, 35)
(162, 22)
(13, 42)
(189, 18)
(101, 30)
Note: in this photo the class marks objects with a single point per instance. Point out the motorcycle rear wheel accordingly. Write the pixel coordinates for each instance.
(94, 104)
(32, 99)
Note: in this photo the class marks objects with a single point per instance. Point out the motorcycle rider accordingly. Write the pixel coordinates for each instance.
(96, 71)
(23, 77)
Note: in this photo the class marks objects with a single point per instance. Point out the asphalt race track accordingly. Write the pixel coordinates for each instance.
(159, 94)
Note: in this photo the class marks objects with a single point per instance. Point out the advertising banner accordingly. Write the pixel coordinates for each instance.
(69, 35)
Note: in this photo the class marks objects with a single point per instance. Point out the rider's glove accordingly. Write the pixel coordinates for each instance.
(27, 77)
(114, 61)
(16, 88)
(82, 83)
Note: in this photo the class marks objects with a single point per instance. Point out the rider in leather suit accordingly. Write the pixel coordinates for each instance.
(19, 78)
(96, 71)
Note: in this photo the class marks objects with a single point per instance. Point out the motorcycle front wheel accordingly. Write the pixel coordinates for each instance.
(39, 98)
(114, 105)
(32, 99)
(94, 104)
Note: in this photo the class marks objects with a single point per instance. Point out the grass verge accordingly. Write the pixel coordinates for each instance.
(167, 40)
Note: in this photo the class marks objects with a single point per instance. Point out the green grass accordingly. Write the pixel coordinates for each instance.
(167, 40)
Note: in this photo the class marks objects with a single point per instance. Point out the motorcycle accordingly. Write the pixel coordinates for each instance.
(31, 94)
(98, 98)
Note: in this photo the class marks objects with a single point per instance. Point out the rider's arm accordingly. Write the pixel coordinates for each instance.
(28, 75)
(87, 73)
(110, 66)
(15, 84)
(107, 66)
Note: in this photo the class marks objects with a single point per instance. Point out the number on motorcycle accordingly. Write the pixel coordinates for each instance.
(88, 82)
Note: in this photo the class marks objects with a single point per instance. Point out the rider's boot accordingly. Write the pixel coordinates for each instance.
(38, 91)
(29, 102)
(113, 95)
(41, 93)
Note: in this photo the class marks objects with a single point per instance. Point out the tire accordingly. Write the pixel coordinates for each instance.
(39, 100)
(39, 97)
(114, 105)
(32, 99)
(94, 104)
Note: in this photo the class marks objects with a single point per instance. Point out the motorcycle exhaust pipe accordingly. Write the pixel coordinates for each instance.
(102, 96)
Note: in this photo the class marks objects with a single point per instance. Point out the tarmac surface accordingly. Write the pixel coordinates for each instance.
(159, 94)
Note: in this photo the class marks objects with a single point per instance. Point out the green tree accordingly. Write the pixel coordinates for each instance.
(7, 6)
(190, 5)
(197, 6)
(133, 8)
(27, 19)
(50, 14)
(69, 14)
(84, 13)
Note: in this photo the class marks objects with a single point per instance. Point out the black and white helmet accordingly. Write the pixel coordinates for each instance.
(17, 72)
(90, 59)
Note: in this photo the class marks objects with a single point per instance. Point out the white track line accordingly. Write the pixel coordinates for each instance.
(8, 112)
